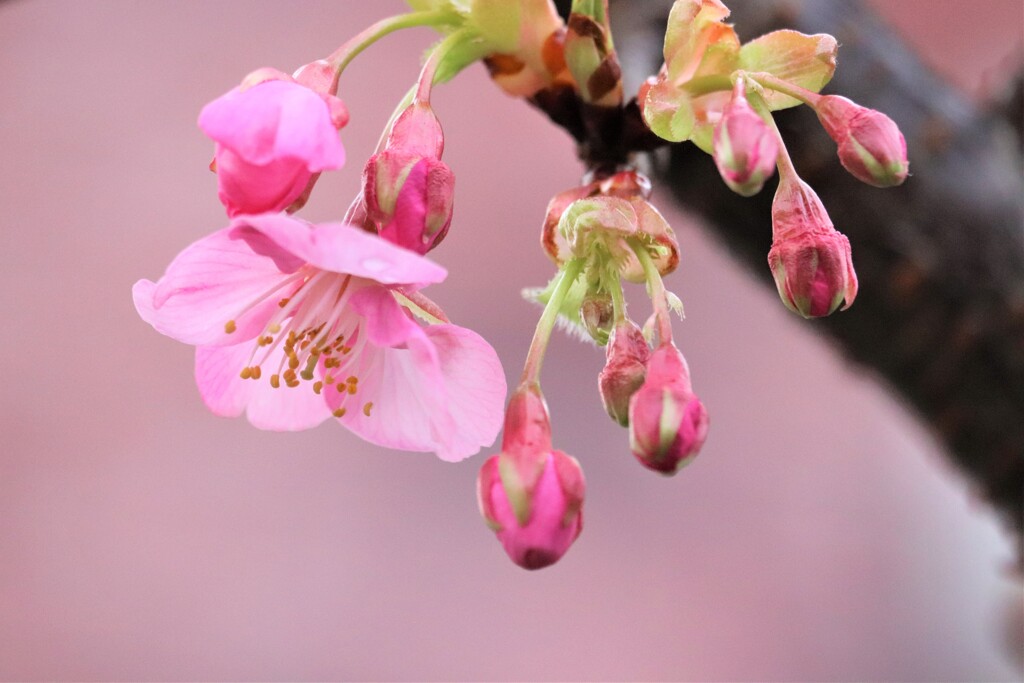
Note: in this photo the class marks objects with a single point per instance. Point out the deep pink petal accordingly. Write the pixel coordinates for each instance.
(272, 120)
(226, 394)
(345, 249)
(209, 284)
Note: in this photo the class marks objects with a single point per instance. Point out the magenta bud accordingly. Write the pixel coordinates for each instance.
(624, 370)
(810, 260)
(408, 191)
(530, 495)
(745, 147)
(871, 146)
(667, 422)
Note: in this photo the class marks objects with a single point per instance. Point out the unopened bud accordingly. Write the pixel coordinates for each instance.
(667, 422)
(530, 495)
(408, 191)
(871, 146)
(590, 56)
(597, 313)
(810, 260)
(745, 147)
(624, 370)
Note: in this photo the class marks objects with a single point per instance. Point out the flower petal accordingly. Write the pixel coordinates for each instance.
(441, 389)
(345, 249)
(209, 284)
(272, 120)
(226, 394)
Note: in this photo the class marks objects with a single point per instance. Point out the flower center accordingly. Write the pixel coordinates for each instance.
(313, 325)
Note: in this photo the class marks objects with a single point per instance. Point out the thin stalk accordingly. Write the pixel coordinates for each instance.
(784, 163)
(371, 34)
(437, 55)
(656, 288)
(541, 336)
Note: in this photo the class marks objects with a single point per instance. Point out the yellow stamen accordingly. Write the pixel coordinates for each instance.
(256, 372)
(229, 326)
(367, 408)
(317, 386)
(246, 373)
(339, 412)
(275, 381)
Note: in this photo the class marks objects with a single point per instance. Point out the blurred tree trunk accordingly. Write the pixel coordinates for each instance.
(940, 314)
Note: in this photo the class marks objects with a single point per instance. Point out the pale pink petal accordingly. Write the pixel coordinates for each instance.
(346, 249)
(225, 393)
(272, 120)
(209, 284)
(441, 389)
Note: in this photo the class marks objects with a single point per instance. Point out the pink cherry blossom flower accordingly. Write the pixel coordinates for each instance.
(273, 135)
(294, 323)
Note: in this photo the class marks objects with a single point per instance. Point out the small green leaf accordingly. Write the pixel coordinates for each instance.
(803, 60)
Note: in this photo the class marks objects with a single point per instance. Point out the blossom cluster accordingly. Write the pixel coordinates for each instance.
(296, 323)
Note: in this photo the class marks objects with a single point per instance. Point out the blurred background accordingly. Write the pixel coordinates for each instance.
(820, 535)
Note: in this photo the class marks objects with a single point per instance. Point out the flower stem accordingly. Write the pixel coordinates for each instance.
(371, 34)
(541, 336)
(656, 289)
(434, 60)
(785, 87)
(618, 301)
(784, 162)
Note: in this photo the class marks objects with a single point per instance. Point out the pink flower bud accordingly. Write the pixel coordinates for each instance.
(407, 189)
(871, 146)
(810, 259)
(745, 147)
(530, 495)
(667, 422)
(624, 370)
(273, 137)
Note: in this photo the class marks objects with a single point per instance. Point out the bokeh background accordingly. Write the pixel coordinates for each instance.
(820, 535)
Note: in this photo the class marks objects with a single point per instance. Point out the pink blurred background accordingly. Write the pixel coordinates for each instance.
(143, 538)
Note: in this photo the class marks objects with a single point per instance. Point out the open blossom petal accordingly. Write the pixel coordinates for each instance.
(228, 395)
(345, 249)
(208, 284)
(295, 324)
(437, 389)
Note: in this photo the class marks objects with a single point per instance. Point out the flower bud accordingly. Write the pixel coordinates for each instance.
(408, 191)
(624, 370)
(590, 56)
(667, 422)
(530, 495)
(871, 146)
(745, 147)
(596, 313)
(274, 135)
(810, 259)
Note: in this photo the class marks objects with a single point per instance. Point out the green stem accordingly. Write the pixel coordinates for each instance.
(618, 301)
(437, 55)
(370, 35)
(785, 87)
(784, 162)
(656, 289)
(541, 336)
